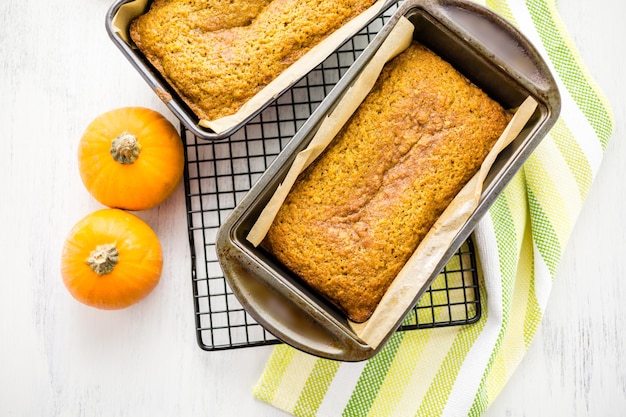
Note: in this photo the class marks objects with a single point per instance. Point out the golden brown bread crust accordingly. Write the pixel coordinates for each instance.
(217, 54)
(356, 215)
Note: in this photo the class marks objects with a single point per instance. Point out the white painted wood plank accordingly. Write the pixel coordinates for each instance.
(58, 70)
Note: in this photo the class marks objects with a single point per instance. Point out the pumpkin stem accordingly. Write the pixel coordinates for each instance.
(125, 148)
(103, 258)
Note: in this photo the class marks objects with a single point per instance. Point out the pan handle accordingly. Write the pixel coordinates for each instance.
(502, 42)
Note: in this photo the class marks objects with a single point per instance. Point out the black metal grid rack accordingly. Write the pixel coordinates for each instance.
(219, 173)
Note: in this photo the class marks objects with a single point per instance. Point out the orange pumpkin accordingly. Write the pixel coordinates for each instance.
(131, 158)
(111, 259)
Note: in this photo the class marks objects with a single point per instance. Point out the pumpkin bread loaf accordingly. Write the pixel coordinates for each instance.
(218, 54)
(357, 214)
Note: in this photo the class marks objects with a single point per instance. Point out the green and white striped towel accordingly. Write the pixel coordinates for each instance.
(458, 371)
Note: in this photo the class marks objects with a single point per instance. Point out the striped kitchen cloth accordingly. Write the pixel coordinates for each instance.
(458, 371)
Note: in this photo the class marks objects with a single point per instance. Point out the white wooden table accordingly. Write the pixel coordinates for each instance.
(58, 70)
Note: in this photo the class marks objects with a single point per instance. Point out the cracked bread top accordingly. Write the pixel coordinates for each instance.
(218, 54)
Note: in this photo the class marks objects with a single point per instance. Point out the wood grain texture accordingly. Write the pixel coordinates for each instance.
(58, 70)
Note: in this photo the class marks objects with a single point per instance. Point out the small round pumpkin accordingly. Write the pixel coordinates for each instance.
(131, 158)
(111, 259)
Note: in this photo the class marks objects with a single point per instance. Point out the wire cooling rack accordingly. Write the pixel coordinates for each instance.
(219, 173)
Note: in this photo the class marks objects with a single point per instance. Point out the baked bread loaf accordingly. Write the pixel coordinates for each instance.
(218, 54)
(356, 215)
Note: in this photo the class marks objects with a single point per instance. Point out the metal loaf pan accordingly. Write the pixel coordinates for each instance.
(118, 30)
(487, 50)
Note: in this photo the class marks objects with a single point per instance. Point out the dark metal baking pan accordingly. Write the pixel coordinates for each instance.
(159, 85)
(487, 50)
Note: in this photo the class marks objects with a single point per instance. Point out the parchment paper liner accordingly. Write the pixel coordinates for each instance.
(293, 73)
(403, 290)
